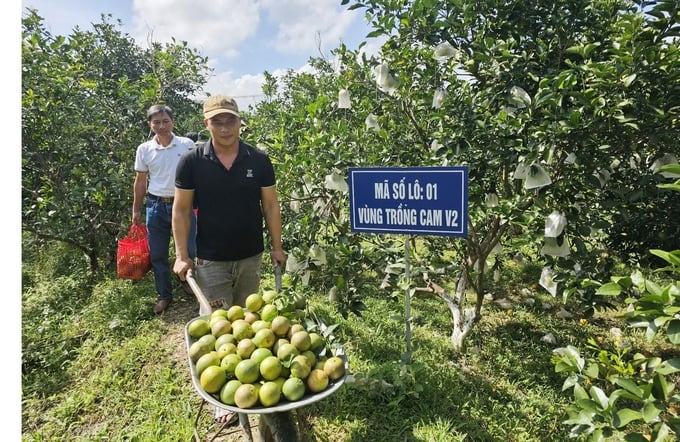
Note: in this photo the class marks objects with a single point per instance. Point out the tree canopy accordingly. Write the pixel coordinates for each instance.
(561, 110)
(84, 99)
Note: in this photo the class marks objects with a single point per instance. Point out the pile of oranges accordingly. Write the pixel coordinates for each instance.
(259, 356)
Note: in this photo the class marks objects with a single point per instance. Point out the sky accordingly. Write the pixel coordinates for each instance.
(241, 38)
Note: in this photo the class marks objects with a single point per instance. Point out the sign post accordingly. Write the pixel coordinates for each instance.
(409, 201)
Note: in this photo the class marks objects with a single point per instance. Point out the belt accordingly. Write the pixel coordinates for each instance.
(163, 199)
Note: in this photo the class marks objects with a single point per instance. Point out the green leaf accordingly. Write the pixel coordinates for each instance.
(592, 370)
(653, 288)
(663, 433)
(673, 168)
(588, 405)
(675, 186)
(651, 411)
(630, 386)
(597, 436)
(580, 393)
(673, 332)
(609, 289)
(660, 387)
(625, 416)
(670, 257)
(670, 366)
(624, 281)
(569, 382)
(629, 79)
(635, 437)
(599, 397)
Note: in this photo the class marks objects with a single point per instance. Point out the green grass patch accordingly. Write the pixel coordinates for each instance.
(98, 365)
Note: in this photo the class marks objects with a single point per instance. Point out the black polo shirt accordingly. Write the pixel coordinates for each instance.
(230, 224)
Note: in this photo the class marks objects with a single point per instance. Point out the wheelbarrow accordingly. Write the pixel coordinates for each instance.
(276, 423)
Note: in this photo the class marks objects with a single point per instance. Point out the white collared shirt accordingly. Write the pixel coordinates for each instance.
(161, 162)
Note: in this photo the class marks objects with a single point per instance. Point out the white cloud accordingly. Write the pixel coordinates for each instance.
(218, 27)
(221, 28)
(308, 25)
(246, 89)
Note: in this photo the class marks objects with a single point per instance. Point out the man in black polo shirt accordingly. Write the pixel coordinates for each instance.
(233, 187)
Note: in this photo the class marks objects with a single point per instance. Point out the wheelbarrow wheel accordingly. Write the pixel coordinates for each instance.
(278, 427)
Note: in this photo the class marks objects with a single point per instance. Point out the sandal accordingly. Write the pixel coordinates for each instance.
(225, 417)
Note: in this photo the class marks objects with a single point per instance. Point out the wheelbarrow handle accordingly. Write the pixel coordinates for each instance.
(200, 296)
(277, 277)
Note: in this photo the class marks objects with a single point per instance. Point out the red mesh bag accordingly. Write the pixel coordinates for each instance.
(133, 260)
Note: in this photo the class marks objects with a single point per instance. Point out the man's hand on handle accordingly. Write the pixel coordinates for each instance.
(182, 266)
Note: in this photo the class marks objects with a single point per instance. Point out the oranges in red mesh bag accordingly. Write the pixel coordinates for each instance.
(133, 260)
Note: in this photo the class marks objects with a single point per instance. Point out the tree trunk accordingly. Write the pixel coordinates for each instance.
(463, 319)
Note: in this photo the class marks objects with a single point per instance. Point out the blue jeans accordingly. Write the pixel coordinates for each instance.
(159, 225)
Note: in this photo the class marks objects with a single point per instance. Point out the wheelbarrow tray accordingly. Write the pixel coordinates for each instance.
(283, 405)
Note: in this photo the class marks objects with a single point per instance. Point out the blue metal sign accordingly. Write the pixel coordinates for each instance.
(417, 200)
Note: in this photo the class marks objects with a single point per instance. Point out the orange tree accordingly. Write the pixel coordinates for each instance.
(83, 114)
(561, 110)
(618, 391)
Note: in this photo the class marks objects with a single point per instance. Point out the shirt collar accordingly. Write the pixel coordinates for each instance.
(158, 145)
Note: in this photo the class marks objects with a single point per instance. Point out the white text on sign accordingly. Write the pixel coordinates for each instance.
(408, 217)
(405, 191)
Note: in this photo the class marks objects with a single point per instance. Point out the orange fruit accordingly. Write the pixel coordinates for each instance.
(279, 342)
(317, 342)
(245, 348)
(229, 363)
(293, 389)
(269, 394)
(224, 339)
(247, 371)
(246, 396)
(280, 326)
(259, 354)
(207, 360)
(301, 340)
(220, 327)
(219, 312)
(228, 390)
(254, 302)
(269, 312)
(235, 312)
(294, 328)
(198, 349)
(270, 368)
(252, 317)
(317, 381)
(268, 295)
(241, 329)
(334, 368)
(226, 349)
(213, 378)
(198, 327)
(287, 351)
(264, 338)
(311, 357)
(300, 367)
(259, 325)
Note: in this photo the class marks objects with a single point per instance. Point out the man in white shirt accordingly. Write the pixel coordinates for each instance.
(155, 166)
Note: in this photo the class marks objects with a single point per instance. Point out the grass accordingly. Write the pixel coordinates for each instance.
(98, 365)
